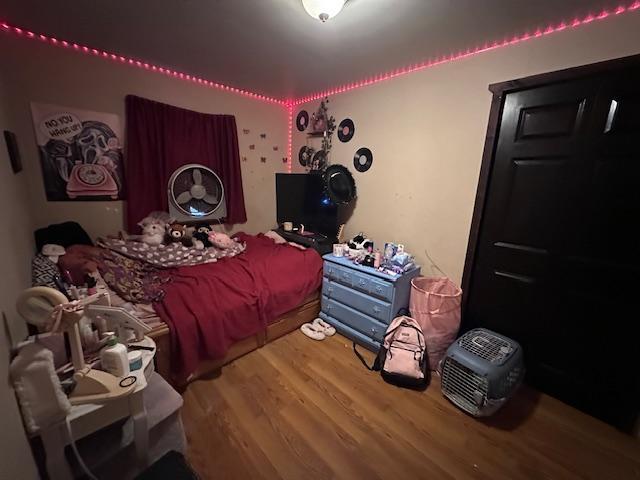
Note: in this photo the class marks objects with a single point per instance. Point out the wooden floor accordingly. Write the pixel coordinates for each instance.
(300, 409)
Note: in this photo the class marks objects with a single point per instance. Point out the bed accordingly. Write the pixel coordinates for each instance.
(206, 315)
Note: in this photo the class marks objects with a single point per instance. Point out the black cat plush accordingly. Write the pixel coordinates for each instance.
(201, 234)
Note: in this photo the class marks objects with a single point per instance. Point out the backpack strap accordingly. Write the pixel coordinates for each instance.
(376, 364)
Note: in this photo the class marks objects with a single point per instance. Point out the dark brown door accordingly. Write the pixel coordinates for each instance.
(558, 258)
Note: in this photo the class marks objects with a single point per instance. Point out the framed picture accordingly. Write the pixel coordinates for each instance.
(14, 153)
(80, 153)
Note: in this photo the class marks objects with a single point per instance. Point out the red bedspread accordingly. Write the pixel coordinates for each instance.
(210, 307)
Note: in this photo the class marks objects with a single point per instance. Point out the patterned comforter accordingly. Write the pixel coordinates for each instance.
(171, 255)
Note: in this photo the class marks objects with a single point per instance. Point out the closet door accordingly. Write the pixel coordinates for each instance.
(556, 255)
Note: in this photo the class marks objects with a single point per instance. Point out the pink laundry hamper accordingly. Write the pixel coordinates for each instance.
(435, 304)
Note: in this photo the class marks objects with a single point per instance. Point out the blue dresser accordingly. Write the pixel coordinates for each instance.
(361, 301)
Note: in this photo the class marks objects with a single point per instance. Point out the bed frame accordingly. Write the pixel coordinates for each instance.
(289, 322)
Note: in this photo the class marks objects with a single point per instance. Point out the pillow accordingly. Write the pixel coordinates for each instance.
(42, 271)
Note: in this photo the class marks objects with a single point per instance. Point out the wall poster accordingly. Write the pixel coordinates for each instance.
(80, 153)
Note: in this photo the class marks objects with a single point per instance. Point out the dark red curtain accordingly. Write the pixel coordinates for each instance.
(161, 138)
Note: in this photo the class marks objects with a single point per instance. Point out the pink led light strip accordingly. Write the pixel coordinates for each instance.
(133, 62)
(289, 135)
(470, 52)
(290, 104)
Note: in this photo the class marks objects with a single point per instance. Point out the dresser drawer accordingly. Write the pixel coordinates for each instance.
(354, 319)
(362, 302)
(360, 281)
(373, 286)
(354, 335)
(338, 273)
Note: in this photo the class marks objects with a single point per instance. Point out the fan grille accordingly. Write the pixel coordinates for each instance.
(486, 346)
(183, 182)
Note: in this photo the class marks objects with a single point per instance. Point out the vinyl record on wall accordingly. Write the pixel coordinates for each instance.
(304, 155)
(363, 159)
(302, 120)
(319, 161)
(346, 129)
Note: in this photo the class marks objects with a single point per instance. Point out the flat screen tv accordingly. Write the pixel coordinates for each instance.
(300, 199)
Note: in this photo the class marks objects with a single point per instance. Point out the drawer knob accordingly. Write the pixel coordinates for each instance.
(374, 330)
(376, 309)
(379, 289)
(363, 282)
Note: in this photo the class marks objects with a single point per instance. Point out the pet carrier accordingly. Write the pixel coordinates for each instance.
(481, 371)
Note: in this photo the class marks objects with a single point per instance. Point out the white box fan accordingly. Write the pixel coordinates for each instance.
(481, 371)
(195, 194)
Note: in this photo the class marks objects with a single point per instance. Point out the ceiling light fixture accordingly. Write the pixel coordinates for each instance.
(323, 10)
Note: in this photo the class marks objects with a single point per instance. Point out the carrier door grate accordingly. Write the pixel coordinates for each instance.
(463, 386)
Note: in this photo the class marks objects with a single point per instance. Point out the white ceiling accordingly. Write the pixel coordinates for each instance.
(274, 47)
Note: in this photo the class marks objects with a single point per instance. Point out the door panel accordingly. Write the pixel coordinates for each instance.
(557, 258)
(559, 120)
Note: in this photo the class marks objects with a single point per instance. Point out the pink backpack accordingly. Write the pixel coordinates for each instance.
(402, 359)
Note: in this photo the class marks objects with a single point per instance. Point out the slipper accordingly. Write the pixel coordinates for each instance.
(312, 331)
(324, 327)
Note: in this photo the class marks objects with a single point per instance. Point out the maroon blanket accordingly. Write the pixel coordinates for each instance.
(210, 307)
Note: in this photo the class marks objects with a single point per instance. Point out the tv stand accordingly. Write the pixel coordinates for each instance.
(320, 243)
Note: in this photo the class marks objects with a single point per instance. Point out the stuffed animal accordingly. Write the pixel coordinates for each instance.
(176, 232)
(152, 234)
(161, 218)
(360, 242)
(153, 229)
(221, 240)
(201, 237)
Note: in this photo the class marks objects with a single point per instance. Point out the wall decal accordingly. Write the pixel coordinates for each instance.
(80, 153)
(363, 159)
(263, 159)
(285, 160)
(302, 120)
(14, 153)
(246, 131)
(263, 135)
(244, 159)
(252, 147)
(275, 148)
(346, 129)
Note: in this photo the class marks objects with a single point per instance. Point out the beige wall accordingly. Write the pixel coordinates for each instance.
(37, 72)
(16, 248)
(426, 131)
